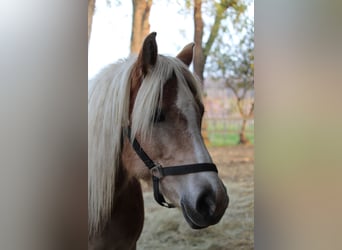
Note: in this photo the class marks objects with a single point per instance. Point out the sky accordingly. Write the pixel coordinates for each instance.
(111, 31)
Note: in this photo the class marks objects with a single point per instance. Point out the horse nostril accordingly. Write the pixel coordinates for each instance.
(206, 204)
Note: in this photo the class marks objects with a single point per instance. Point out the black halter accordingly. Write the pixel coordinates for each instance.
(158, 172)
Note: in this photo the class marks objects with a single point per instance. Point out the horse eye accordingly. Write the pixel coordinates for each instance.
(159, 116)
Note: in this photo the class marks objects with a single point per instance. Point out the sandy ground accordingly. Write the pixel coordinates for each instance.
(166, 228)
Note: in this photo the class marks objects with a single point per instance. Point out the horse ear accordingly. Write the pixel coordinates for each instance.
(148, 53)
(186, 54)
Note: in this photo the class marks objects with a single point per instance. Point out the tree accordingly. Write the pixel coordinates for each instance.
(91, 8)
(202, 50)
(140, 23)
(243, 72)
(140, 20)
(235, 64)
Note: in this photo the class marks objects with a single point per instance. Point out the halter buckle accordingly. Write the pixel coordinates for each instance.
(157, 171)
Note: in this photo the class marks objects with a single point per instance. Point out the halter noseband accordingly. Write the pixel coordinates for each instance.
(158, 172)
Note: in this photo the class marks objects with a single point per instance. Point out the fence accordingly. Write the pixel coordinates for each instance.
(228, 125)
(225, 131)
(222, 120)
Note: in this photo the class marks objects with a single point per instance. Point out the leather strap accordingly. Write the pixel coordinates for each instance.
(140, 152)
(158, 172)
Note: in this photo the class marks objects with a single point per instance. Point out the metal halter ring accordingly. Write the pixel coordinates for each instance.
(157, 171)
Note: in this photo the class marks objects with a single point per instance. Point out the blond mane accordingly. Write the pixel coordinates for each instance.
(108, 114)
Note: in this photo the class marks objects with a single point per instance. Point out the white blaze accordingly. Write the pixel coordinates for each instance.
(186, 104)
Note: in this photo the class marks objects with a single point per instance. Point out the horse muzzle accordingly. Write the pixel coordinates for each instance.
(206, 210)
(210, 204)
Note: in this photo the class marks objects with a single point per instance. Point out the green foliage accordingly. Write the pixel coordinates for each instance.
(188, 4)
(232, 56)
(219, 11)
(110, 2)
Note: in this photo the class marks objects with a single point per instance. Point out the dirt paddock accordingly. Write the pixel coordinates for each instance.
(166, 228)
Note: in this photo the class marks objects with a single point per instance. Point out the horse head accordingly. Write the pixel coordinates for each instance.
(165, 116)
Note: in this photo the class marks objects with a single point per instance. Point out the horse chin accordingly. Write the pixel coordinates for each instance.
(191, 217)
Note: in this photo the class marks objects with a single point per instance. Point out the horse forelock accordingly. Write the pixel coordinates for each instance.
(150, 93)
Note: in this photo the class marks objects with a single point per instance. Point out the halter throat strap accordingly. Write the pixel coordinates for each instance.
(158, 171)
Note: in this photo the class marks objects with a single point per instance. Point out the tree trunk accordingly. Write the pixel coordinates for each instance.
(243, 139)
(198, 57)
(140, 23)
(198, 37)
(242, 135)
(202, 50)
(91, 8)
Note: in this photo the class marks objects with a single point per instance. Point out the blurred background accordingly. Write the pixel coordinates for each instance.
(298, 139)
(223, 31)
(224, 60)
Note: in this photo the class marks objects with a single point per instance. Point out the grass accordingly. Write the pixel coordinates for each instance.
(223, 133)
(168, 230)
(228, 139)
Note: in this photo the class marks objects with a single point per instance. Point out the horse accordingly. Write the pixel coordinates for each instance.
(144, 122)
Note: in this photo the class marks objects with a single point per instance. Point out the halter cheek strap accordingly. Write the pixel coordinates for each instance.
(158, 172)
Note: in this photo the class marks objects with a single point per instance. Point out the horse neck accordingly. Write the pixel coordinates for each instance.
(127, 217)
(123, 179)
(128, 210)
